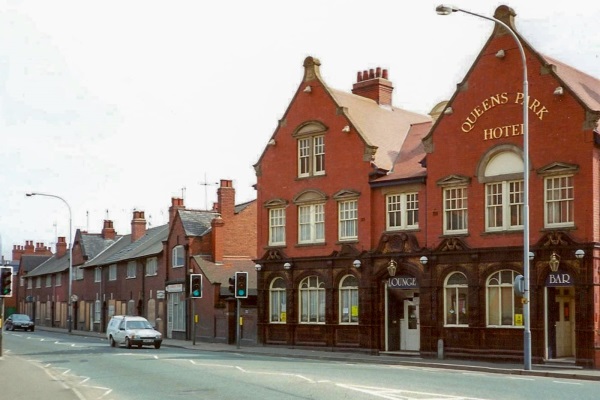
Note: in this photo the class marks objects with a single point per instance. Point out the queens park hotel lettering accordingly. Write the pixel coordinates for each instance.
(499, 99)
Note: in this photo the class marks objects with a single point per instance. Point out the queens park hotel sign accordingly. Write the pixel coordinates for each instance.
(497, 100)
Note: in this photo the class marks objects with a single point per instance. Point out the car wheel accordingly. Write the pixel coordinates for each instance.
(127, 343)
(32, 329)
(157, 345)
(112, 342)
(12, 328)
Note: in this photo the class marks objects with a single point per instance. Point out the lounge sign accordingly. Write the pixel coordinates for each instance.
(496, 100)
(403, 282)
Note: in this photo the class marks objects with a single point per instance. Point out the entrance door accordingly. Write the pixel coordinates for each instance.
(410, 335)
(564, 315)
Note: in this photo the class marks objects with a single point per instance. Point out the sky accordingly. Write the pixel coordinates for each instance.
(120, 105)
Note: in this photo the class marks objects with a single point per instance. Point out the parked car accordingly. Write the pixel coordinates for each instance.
(19, 321)
(132, 331)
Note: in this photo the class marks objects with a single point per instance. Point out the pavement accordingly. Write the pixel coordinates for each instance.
(551, 370)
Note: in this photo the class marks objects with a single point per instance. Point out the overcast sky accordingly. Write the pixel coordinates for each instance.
(122, 104)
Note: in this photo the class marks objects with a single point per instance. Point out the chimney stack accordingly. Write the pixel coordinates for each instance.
(61, 247)
(138, 225)
(226, 198)
(176, 204)
(374, 85)
(108, 232)
(17, 252)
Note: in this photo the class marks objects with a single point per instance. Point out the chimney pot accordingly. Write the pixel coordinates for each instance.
(378, 72)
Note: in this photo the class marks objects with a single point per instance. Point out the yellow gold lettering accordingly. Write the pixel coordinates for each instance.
(534, 105)
(519, 98)
(504, 98)
(486, 105)
(478, 112)
(466, 127)
(541, 113)
(487, 134)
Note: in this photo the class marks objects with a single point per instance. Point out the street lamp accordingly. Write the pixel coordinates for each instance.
(69, 308)
(446, 10)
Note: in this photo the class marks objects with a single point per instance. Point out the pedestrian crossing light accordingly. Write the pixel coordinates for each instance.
(241, 285)
(232, 284)
(5, 281)
(196, 286)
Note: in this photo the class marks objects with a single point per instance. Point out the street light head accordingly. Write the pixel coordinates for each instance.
(444, 9)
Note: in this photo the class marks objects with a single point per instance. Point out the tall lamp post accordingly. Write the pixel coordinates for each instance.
(446, 10)
(69, 308)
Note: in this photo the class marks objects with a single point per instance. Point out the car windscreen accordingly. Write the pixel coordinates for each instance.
(138, 325)
(20, 318)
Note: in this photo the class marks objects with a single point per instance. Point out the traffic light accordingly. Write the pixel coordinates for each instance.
(5, 281)
(232, 284)
(196, 286)
(241, 285)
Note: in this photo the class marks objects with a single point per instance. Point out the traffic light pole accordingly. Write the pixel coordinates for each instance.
(194, 317)
(239, 324)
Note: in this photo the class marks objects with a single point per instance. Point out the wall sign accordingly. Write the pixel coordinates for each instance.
(496, 100)
(557, 279)
(403, 282)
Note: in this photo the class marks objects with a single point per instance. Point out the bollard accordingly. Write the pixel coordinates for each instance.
(440, 351)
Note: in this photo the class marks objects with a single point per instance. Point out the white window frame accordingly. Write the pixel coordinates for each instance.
(403, 207)
(311, 302)
(77, 273)
(97, 311)
(453, 291)
(277, 302)
(348, 292)
(131, 269)
(98, 274)
(49, 280)
(314, 225)
(152, 266)
(58, 279)
(555, 201)
(277, 226)
(311, 156)
(112, 272)
(456, 209)
(507, 201)
(178, 257)
(38, 282)
(499, 294)
(348, 220)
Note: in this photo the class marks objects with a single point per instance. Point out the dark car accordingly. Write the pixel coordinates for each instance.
(19, 321)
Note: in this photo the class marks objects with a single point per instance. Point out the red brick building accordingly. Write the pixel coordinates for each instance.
(380, 231)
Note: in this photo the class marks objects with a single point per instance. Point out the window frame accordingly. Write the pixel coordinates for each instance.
(349, 296)
(505, 205)
(176, 257)
(277, 225)
(277, 302)
(348, 220)
(315, 224)
(97, 274)
(503, 288)
(112, 272)
(570, 202)
(131, 269)
(455, 290)
(402, 211)
(311, 295)
(461, 211)
(152, 266)
(311, 155)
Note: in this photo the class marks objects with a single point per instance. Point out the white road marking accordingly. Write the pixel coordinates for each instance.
(399, 394)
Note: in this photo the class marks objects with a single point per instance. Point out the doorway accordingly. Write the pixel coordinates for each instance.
(403, 332)
(560, 322)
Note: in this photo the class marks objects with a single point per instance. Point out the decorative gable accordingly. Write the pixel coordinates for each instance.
(558, 168)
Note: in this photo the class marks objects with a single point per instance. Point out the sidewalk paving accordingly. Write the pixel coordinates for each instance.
(568, 371)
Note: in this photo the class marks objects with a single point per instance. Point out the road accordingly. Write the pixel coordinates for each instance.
(94, 370)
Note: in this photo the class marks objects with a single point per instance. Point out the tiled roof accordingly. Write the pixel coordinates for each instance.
(585, 87)
(93, 244)
(52, 265)
(241, 207)
(197, 222)
(382, 126)
(30, 262)
(123, 250)
(220, 273)
(409, 160)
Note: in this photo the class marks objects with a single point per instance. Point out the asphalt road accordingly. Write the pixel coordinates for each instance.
(93, 370)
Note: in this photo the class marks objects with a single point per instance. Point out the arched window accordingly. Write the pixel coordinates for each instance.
(456, 303)
(178, 257)
(312, 301)
(277, 300)
(503, 306)
(349, 300)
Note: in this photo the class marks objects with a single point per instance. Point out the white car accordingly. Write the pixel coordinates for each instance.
(132, 331)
